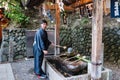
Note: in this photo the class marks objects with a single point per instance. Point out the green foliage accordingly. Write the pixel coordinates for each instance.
(65, 36)
(84, 21)
(14, 12)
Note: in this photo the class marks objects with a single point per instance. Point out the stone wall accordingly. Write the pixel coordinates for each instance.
(13, 44)
(111, 39)
(80, 39)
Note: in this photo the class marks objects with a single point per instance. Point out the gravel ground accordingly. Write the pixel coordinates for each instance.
(23, 70)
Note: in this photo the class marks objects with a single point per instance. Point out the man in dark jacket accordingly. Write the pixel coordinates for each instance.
(40, 47)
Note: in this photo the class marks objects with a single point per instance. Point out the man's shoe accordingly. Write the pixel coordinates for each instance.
(43, 76)
(38, 76)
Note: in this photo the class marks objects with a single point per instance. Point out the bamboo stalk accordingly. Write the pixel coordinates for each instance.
(64, 47)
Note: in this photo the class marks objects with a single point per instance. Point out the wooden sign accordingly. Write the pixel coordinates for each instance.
(115, 8)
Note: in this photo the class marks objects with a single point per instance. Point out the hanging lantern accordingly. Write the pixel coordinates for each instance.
(61, 6)
(65, 18)
(49, 16)
(25, 2)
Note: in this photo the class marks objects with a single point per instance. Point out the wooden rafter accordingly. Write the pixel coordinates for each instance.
(53, 7)
(72, 6)
(80, 3)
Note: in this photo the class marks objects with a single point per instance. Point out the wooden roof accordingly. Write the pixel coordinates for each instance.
(80, 3)
(69, 4)
(72, 2)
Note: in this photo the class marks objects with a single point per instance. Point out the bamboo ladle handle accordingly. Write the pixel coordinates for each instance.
(64, 47)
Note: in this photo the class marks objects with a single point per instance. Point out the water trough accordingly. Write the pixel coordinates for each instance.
(57, 69)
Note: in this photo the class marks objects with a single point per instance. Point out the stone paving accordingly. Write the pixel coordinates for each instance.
(23, 70)
(6, 72)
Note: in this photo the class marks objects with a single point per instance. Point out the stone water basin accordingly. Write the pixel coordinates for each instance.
(59, 68)
(68, 64)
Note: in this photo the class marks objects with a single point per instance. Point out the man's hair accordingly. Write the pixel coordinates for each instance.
(43, 21)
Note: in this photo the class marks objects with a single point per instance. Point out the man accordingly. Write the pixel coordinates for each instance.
(40, 47)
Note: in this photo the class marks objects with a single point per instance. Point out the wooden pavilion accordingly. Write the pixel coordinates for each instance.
(98, 8)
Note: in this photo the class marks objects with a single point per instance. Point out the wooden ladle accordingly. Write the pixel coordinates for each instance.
(64, 47)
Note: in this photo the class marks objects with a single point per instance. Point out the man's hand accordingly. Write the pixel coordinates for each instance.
(52, 44)
(45, 51)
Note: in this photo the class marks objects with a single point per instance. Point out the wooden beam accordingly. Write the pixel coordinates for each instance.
(68, 8)
(57, 15)
(97, 26)
(53, 7)
(106, 7)
(80, 3)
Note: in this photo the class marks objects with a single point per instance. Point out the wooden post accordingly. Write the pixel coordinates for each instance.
(57, 15)
(97, 26)
(1, 41)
